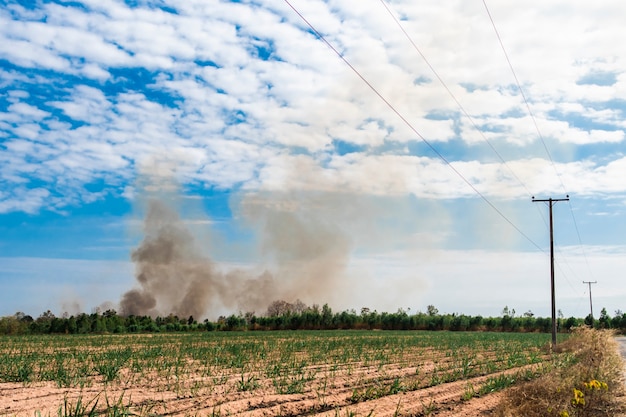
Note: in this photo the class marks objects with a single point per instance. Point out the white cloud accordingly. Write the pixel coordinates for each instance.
(26, 110)
(23, 199)
(27, 54)
(88, 104)
(232, 116)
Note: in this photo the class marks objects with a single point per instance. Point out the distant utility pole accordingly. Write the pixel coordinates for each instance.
(551, 202)
(590, 303)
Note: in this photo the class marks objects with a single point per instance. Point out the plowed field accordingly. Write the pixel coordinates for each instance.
(331, 373)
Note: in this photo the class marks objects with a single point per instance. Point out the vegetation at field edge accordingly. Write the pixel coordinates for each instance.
(586, 381)
(297, 316)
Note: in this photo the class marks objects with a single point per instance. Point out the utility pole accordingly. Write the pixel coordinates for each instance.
(551, 202)
(590, 303)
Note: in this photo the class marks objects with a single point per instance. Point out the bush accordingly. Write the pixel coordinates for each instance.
(585, 381)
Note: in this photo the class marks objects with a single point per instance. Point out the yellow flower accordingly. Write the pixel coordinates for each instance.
(579, 397)
(595, 384)
(563, 414)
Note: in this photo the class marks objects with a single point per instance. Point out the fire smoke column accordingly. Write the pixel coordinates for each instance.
(172, 276)
(299, 233)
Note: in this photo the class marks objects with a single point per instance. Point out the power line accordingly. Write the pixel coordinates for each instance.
(410, 126)
(445, 86)
(569, 268)
(458, 103)
(532, 116)
(519, 86)
(579, 297)
(582, 247)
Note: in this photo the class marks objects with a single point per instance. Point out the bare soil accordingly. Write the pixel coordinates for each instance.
(331, 374)
(328, 397)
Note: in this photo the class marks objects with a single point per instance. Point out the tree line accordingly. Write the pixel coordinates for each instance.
(297, 316)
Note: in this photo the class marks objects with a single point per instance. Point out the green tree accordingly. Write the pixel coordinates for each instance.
(604, 322)
(327, 316)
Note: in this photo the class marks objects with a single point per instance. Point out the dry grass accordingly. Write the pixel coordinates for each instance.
(586, 380)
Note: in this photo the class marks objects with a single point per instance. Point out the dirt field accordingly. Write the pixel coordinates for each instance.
(445, 400)
(288, 374)
(441, 400)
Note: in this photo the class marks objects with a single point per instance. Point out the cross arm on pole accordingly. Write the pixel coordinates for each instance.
(536, 200)
(590, 302)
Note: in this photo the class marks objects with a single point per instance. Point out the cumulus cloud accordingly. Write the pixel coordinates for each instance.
(237, 90)
(28, 200)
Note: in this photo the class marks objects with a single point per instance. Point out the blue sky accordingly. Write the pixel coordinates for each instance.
(278, 159)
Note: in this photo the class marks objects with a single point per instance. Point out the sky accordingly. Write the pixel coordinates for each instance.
(360, 153)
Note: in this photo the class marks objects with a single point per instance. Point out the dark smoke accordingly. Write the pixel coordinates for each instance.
(173, 276)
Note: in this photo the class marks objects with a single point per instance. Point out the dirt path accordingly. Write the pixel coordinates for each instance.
(622, 349)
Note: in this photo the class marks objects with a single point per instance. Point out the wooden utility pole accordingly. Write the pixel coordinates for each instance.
(551, 202)
(590, 303)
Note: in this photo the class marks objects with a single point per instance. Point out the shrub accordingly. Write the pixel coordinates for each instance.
(585, 380)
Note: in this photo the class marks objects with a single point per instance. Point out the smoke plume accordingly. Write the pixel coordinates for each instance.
(171, 274)
(304, 240)
(306, 257)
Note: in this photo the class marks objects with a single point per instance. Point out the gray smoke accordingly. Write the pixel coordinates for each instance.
(173, 276)
(300, 234)
(306, 253)
(305, 242)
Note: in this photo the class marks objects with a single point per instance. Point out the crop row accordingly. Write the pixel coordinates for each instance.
(79, 360)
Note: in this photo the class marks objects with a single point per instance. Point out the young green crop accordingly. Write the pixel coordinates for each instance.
(364, 364)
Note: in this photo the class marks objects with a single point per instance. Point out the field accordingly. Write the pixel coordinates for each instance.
(334, 373)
